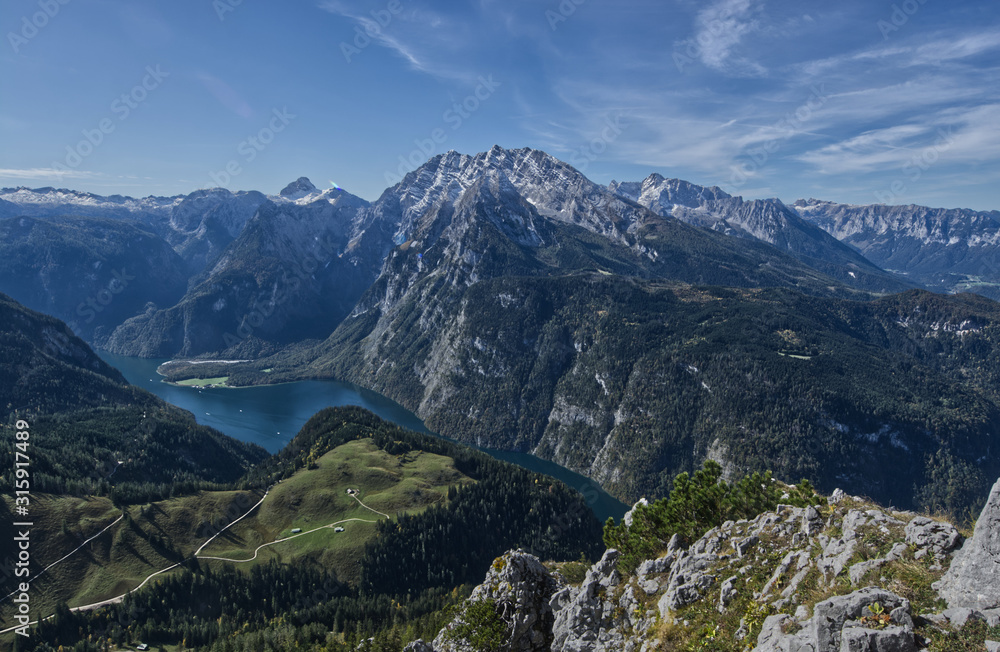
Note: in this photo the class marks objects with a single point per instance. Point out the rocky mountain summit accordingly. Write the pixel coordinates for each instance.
(848, 576)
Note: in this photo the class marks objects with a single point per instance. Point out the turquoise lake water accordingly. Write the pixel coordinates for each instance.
(270, 416)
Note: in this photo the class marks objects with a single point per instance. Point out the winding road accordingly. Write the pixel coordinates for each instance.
(197, 555)
(71, 553)
(300, 534)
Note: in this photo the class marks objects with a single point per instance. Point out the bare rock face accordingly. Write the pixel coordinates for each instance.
(836, 626)
(939, 538)
(590, 619)
(418, 646)
(521, 589)
(973, 579)
(764, 561)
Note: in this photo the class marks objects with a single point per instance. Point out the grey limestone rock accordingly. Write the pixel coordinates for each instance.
(688, 581)
(627, 519)
(742, 546)
(859, 570)
(973, 580)
(959, 616)
(890, 639)
(522, 588)
(812, 522)
(418, 645)
(933, 535)
(835, 626)
(649, 573)
(589, 619)
(727, 593)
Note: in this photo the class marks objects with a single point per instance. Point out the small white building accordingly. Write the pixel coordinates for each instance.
(296, 530)
(338, 529)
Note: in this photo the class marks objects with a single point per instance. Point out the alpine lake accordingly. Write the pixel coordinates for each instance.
(271, 415)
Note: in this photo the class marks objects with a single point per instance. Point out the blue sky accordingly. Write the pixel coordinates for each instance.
(858, 101)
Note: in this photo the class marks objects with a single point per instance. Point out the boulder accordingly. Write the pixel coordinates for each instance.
(938, 537)
(959, 616)
(522, 589)
(418, 645)
(973, 580)
(649, 573)
(590, 619)
(836, 626)
(627, 519)
(890, 639)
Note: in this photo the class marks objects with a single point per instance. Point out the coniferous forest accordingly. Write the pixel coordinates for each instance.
(415, 567)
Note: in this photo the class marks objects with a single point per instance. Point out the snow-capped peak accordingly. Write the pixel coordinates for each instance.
(301, 187)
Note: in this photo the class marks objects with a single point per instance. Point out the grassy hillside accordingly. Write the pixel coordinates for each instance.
(413, 493)
(316, 497)
(154, 536)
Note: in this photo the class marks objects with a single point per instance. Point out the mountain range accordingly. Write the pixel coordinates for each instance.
(626, 331)
(946, 250)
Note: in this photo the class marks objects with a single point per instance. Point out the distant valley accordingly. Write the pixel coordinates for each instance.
(627, 332)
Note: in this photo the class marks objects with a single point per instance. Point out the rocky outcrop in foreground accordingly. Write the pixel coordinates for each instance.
(973, 580)
(519, 588)
(845, 577)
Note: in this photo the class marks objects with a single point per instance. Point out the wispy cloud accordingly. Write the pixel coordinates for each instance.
(720, 29)
(958, 135)
(875, 150)
(429, 41)
(46, 173)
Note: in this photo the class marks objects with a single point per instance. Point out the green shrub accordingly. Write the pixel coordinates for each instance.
(695, 505)
(482, 626)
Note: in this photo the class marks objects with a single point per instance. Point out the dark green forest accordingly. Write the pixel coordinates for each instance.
(416, 566)
(91, 432)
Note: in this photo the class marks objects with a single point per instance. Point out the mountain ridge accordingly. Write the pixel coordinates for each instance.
(943, 249)
(767, 220)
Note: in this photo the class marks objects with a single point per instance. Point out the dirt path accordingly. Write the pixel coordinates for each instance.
(197, 554)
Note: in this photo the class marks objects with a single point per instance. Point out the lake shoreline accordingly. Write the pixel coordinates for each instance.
(261, 413)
